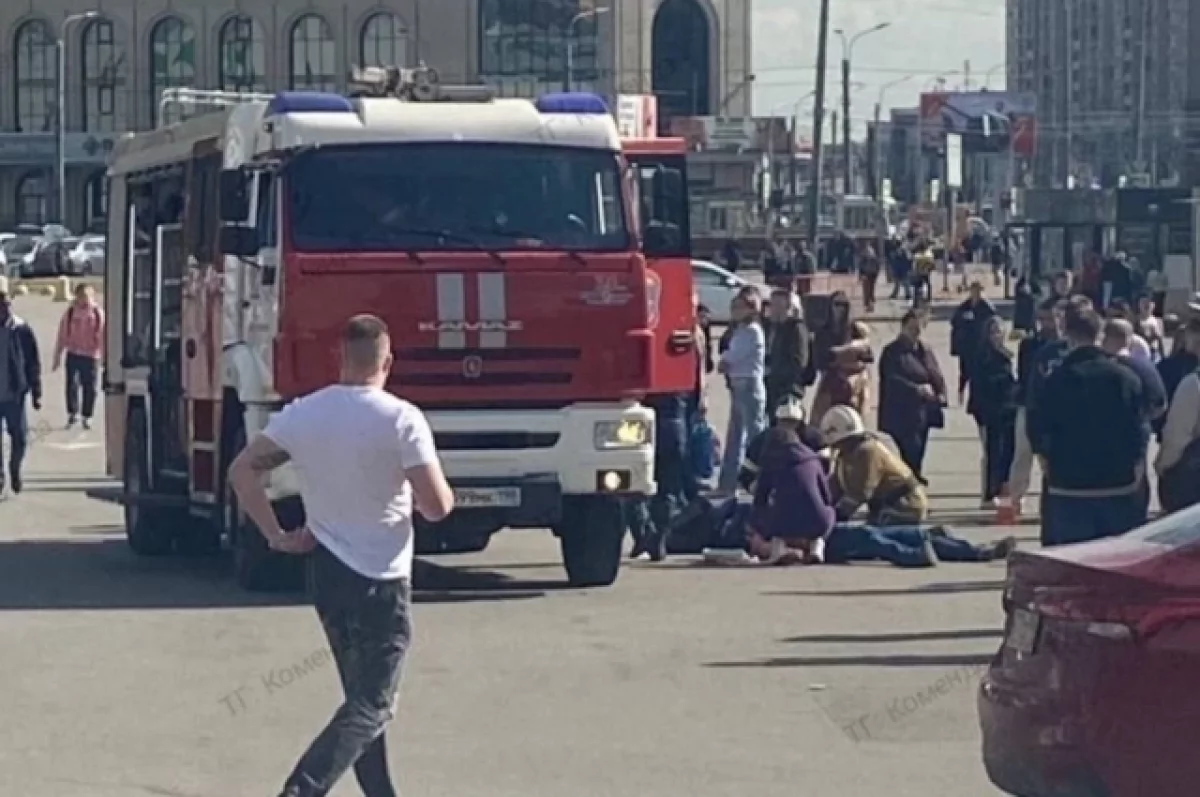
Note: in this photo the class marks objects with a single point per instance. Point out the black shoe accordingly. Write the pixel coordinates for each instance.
(658, 547)
(1000, 551)
(17, 484)
(639, 548)
(70, 421)
(87, 423)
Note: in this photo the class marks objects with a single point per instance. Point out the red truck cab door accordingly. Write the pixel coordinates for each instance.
(660, 171)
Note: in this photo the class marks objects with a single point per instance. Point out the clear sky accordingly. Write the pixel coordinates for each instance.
(925, 38)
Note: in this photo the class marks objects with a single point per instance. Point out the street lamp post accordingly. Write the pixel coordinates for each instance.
(591, 13)
(60, 193)
(848, 43)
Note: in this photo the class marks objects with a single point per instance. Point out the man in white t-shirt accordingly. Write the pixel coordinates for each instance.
(363, 457)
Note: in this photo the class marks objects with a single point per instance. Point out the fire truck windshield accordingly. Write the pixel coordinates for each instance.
(478, 196)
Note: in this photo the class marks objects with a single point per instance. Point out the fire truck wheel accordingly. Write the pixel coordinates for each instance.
(256, 567)
(147, 529)
(592, 534)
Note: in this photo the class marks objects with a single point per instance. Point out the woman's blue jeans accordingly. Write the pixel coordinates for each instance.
(747, 420)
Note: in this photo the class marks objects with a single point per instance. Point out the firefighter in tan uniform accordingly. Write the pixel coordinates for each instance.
(867, 472)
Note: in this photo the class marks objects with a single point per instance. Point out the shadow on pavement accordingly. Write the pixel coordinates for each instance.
(915, 636)
(103, 574)
(914, 660)
(941, 588)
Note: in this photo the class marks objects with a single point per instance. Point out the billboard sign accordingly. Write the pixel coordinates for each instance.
(988, 121)
(637, 115)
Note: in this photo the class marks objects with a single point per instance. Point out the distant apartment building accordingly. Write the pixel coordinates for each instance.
(1117, 87)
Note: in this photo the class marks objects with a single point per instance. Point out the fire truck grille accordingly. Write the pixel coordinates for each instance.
(492, 441)
(511, 367)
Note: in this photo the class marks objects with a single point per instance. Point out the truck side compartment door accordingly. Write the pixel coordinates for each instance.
(663, 214)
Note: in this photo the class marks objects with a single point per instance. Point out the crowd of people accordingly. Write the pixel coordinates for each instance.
(1089, 385)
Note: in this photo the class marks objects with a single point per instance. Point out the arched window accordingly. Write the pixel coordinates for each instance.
(96, 202)
(103, 73)
(314, 62)
(384, 41)
(36, 67)
(172, 61)
(523, 46)
(243, 65)
(33, 199)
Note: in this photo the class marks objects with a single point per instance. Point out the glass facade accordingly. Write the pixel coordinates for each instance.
(243, 55)
(527, 47)
(172, 63)
(384, 41)
(36, 66)
(103, 74)
(313, 54)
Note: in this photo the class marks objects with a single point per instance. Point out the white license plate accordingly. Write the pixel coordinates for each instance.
(1023, 632)
(487, 497)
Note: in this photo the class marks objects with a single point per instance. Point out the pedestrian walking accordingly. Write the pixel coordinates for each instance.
(1049, 333)
(1089, 427)
(364, 459)
(868, 272)
(20, 379)
(993, 405)
(81, 339)
(912, 392)
(1179, 454)
(744, 365)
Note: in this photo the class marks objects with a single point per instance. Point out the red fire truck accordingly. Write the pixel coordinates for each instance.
(536, 281)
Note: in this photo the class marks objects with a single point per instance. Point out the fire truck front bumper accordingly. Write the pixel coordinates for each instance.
(526, 461)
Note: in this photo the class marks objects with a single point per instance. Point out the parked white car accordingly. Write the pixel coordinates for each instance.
(716, 288)
(87, 255)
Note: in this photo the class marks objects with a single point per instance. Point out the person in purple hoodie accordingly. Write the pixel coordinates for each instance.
(793, 506)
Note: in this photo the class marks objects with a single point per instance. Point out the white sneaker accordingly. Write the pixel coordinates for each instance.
(816, 552)
(777, 550)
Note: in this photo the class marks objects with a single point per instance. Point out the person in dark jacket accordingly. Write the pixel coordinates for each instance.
(791, 416)
(1174, 368)
(1049, 333)
(788, 348)
(793, 509)
(992, 404)
(1089, 429)
(1117, 280)
(20, 379)
(902, 266)
(1024, 307)
(912, 392)
(966, 332)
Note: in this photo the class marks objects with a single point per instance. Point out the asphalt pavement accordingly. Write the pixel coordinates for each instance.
(127, 677)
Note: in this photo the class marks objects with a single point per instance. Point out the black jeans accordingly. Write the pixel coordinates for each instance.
(81, 378)
(13, 419)
(911, 447)
(369, 628)
(998, 448)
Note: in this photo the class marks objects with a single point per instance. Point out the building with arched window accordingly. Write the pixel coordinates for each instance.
(121, 57)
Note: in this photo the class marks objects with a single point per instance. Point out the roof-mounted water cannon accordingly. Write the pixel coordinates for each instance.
(422, 84)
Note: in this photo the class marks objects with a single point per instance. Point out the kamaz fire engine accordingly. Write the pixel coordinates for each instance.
(535, 279)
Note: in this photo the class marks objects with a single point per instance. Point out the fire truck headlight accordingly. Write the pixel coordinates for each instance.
(622, 434)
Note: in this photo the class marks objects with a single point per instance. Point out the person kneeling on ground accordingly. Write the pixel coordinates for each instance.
(793, 510)
(866, 472)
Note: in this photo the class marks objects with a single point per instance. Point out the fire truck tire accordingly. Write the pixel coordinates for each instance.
(147, 529)
(256, 568)
(592, 536)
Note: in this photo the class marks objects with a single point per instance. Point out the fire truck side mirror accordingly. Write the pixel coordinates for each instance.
(235, 196)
